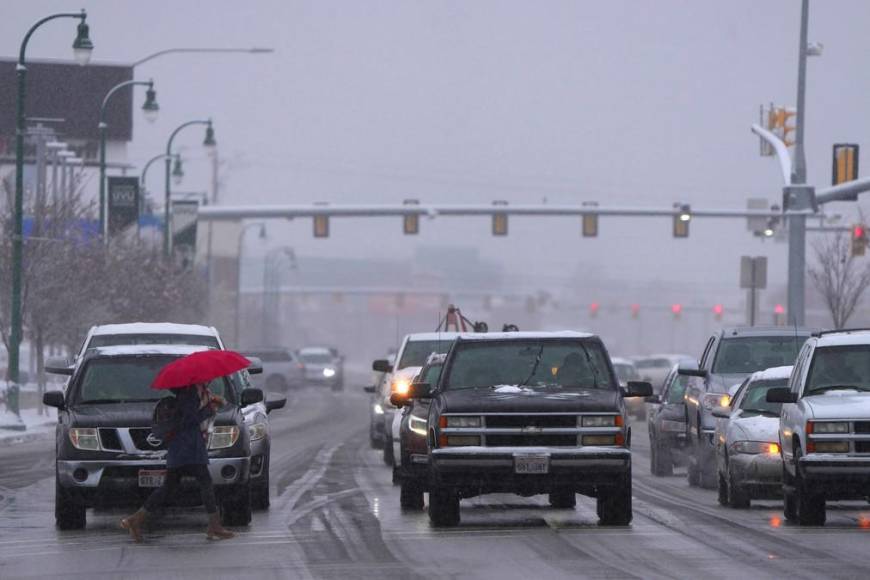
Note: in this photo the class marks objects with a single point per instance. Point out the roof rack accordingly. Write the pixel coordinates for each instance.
(840, 331)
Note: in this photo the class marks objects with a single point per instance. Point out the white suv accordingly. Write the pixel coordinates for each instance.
(824, 428)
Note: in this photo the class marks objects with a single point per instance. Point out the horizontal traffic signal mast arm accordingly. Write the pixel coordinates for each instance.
(843, 192)
(231, 213)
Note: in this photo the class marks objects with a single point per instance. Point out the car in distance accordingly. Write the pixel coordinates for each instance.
(747, 441)
(667, 426)
(376, 406)
(106, 454)
(322, 366)
(654, 368)
(528, 413)
(824, 431)
(626, 372)
(730, 356)
(282, 370)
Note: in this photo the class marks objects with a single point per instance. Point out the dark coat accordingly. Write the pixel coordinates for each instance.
(188, 446)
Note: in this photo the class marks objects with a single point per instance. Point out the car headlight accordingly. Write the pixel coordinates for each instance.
(85, 439)
(711, 400)
(755, 447)
(257, 431)
(328, 373)
(460, 421)
(418, 425)
(828, 427)
(223, 437)
(378, 409)
(600, 420)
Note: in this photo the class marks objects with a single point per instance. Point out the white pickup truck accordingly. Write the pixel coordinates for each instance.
(824, 428)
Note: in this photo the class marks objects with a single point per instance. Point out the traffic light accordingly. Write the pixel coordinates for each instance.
(718, 311)
(593, 309)
(682, 219)
(859, 239)
(499, 221)
(590, 221)
(635, 311)
(411, 221)
(778, 123)
(845, 165)
(778, 311)
(676, 310)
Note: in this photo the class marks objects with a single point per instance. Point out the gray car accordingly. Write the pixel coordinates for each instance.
(747, 441)
(282, 370)
(729, 357)
(666, 423)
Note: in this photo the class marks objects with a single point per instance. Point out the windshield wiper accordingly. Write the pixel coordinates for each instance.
(534, 366)
(591, 365)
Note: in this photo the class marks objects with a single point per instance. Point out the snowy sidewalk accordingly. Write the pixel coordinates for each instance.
(29, 427)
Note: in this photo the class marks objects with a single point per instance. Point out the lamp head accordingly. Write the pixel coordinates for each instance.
(151, 108)
(82, 45)
(209, 141)
(177, 171)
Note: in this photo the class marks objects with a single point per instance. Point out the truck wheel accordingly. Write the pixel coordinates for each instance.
(706, 473)
(789, 503)
(738, 497)
(443, 508)
(236, 507)
(411, 496)
(563, 499)
(68, 514)
(810, 505)
(614, 504)
(661, 461)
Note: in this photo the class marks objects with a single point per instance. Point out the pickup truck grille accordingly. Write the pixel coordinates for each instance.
(862, 427)
(542, 421)
(109, 440)
(140, 440)
(531, 441)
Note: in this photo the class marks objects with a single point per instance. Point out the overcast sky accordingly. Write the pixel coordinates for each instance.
(622, 102)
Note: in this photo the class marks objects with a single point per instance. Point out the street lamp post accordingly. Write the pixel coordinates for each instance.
(208, 142)
(82, 48)
(151, 109)
(238, 319)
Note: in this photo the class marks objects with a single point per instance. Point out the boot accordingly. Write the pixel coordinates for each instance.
(215, 530)
(133, 524)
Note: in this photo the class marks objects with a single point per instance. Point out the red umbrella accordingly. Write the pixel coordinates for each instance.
(199, 367)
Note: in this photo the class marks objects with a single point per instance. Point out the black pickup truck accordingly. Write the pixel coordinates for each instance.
(106, 453)
(527, 413)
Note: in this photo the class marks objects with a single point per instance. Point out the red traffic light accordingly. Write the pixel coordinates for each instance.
(635, 310)
(718, 310)
(676, 309)
(858, 232)
(779, 309)
(593, 308)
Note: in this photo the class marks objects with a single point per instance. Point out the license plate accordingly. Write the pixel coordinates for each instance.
(151, 477)
(532, 464)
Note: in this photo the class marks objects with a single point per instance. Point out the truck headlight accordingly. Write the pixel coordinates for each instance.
(828, 427)
(460, 421)
(257, 431)
(711, 400)
(600, 420)
(599, 440)
(223, 437)
(328, 373)
(418, 425)
(831, 447)
(85, 439)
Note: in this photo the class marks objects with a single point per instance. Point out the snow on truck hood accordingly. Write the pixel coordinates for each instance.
(842, 404)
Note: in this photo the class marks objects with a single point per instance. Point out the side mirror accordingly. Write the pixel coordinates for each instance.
(690, 369)
(638, 389)
(721, 412)
(276, 403)
(781, 395)
(398, 400)
(59, 366)
(420, 391)
(54, 399)
(369, 388)
(256, 366)
(251, 397)
(382, 365)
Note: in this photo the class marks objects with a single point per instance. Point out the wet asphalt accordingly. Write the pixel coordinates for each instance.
(335, 514)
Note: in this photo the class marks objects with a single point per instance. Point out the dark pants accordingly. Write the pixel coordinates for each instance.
(172, 481)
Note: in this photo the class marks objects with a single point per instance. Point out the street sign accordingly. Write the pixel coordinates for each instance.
(123, 203)
(753, 272)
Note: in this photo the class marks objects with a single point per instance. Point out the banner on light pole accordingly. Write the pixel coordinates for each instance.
(123, 203)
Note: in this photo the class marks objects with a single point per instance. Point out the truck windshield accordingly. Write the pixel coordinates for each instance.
(416, 352)
(529, 363)
(128, 380)
(134, 339)
(839, 367)
(745, 355)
